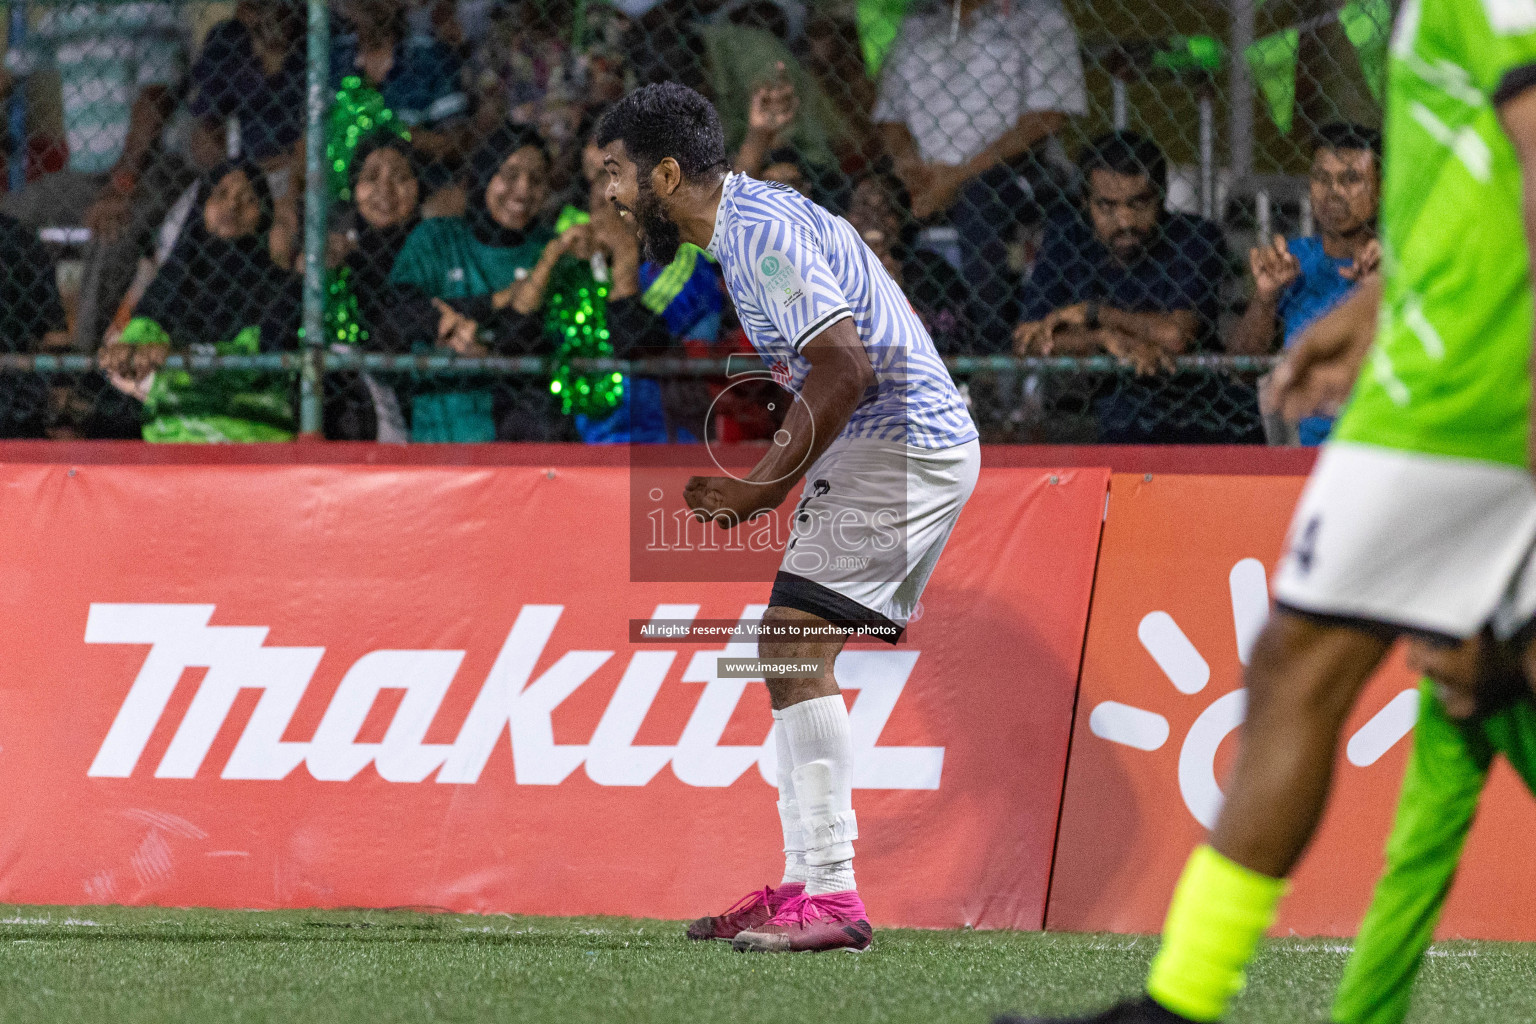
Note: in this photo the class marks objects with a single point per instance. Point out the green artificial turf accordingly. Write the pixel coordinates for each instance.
(87, 964)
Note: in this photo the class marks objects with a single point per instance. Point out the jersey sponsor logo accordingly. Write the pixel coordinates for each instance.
(512, 698)
(781, 281)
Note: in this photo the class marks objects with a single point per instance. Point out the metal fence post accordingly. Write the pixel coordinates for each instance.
(315, 209)
(1240, 94)
(17, 107)
(1207, 156)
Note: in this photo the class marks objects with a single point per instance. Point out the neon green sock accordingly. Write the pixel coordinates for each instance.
(1219, 912)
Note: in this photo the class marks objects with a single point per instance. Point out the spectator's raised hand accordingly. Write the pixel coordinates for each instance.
(774, 105)
(283, 240)
(337, 248)
(1365, 264)
(457, 331)
(527, 295)
(1274, 268)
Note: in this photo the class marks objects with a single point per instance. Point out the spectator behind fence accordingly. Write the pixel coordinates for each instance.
(118, 67)
(649, 307)
(57, 406)
(766, 152)
(834, 58)
(524, 61)
(881, 212)
(418, 76)
(252, 68)
(219, 292)
(767, 100)
(1297, 280)
(31, 320)
(969, 100)
(385, 185)
(1126, 277)
(454, 284)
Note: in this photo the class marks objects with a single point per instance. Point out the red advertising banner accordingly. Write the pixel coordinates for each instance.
(1180, 594)
(285, 685)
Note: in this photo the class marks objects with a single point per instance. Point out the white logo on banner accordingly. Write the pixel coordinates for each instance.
(1186, 668)
(237, 658)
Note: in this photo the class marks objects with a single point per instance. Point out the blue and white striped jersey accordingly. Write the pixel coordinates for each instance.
(793, 269)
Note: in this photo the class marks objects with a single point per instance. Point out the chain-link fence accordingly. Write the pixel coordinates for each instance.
(383, 219)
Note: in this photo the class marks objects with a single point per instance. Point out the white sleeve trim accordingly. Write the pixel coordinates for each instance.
(820, 324)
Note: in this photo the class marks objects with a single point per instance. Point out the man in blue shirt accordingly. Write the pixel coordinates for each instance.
(1297, 280)
(1126, 277)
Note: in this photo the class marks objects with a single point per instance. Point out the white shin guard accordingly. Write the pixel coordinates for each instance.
(821, 752)
(789, 808)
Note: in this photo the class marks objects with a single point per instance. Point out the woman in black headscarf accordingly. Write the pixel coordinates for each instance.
(217, 293)
(386, 203)
(475, 284)
(385, 188)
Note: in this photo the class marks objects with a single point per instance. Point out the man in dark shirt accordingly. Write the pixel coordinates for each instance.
(252, 68)
(1126, 277)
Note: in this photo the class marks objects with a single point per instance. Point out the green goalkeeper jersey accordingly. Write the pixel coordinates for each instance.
(1448, 372)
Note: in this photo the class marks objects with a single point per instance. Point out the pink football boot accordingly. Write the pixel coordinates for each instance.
(811, 924)
(752, 910)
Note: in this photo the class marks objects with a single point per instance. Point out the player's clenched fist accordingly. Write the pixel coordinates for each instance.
(1274, 268)
(729, 501)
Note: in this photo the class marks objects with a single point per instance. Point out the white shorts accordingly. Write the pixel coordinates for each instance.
(869, 528)
(1410, 542)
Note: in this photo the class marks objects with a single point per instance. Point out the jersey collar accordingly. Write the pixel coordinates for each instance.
(727, 187)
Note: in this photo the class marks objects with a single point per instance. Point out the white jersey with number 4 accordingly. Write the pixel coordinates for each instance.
(793, 269)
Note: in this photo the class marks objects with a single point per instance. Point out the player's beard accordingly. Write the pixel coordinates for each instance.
(659, 235)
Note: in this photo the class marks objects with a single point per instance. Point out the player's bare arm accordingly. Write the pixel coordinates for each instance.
(840, 375)
(1518, 116)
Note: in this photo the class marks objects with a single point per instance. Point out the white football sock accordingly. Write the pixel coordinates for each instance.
(821, 750)
(789, 808)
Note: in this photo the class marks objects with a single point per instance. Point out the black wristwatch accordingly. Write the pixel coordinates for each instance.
(1091, 314)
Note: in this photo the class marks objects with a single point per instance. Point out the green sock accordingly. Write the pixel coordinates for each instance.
(1219, 912)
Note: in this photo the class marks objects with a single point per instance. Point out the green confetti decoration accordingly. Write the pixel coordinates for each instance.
(359, 111)
(577, 316)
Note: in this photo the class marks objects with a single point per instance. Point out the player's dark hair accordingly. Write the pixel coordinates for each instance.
(666, 120)
(1125, 153)
(1337, 135)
